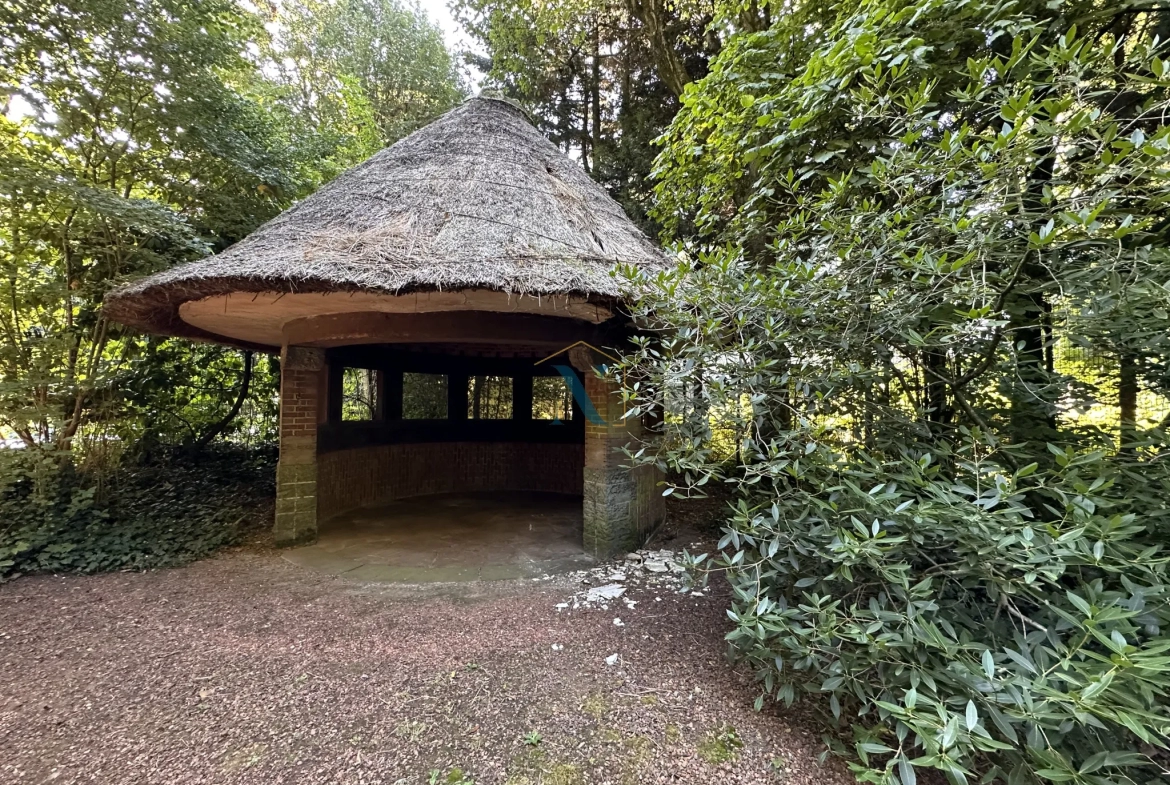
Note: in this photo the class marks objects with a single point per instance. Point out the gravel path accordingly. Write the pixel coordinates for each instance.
(246, 669)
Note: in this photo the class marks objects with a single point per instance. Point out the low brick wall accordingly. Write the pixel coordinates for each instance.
(347, 479)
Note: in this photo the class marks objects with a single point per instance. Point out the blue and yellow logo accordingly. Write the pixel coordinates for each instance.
(574, 382)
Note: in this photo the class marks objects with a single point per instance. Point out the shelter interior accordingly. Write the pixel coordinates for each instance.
(446, 418)
(490, 403)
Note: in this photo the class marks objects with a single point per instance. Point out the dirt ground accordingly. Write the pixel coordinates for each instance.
(247, 669)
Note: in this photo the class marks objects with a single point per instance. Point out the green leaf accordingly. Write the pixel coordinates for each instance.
(1080, 604)
(906, 771)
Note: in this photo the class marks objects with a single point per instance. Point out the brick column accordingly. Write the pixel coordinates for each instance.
(303, 376)
(621, 506)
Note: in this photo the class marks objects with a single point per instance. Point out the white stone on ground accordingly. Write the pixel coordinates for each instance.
(610, 591)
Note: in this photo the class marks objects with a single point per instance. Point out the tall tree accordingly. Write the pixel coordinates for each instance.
(768, 114)
(142, 150)
(144, 133)
(362, 73)
(601, 81)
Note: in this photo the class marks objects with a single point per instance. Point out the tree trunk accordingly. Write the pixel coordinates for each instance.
(1032, 414)
(753, 18)
(1032, 418)
(938, 409)
(626, 87)
(564, 122)
(670, 67)
(1127, 392)
(219, 427)
(596, 87)
(585, 95)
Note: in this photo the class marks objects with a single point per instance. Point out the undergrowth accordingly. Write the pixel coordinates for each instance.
(138, 516)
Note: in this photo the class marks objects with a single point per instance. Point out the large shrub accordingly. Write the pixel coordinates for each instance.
(902, 230)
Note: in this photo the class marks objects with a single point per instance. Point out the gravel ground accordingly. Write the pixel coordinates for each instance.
(246, 669)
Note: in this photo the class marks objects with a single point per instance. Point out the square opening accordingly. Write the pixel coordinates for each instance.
(489, 398)
(552, 399)
(424, 396)
(359, 394)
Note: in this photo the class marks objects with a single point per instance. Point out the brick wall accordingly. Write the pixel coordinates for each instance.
(347, 479)
(620, 506)
(301, 377)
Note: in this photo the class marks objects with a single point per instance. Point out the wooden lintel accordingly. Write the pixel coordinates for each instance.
(388, 358)
(469, 327)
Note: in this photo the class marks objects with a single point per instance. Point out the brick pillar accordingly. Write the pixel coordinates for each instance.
(621, 506)
(303, 376)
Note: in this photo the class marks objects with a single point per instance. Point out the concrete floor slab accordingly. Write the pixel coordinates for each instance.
(500, 535)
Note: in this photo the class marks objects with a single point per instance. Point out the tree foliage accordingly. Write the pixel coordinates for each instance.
(154, 132)
(896, 213)
(136, 135)
(600, 78)
(361, 74)
(141, 153)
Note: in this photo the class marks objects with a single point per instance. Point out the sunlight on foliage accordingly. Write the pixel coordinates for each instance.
(926, 242)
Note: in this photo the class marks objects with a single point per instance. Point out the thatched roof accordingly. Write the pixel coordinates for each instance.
(478, 199)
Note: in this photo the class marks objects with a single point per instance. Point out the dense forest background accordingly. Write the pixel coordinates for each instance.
(918, 333)
(138, 135)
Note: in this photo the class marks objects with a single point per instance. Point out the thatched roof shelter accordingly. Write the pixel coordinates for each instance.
(475, 211)
(415, 300)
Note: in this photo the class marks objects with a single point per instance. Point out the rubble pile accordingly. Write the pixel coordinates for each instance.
(656, 570)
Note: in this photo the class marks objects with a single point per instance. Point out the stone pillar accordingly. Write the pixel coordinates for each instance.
(621, 506)
(303, 380)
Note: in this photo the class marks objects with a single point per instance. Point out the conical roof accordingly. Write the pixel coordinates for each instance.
(477, 200)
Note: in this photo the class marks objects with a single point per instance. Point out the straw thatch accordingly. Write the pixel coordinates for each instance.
(477, 199)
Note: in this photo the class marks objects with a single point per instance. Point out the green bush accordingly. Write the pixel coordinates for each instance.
(55, 518)
(988, 609)
(903, 209)
(921, 595)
